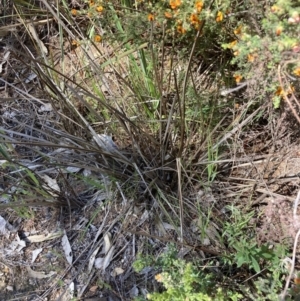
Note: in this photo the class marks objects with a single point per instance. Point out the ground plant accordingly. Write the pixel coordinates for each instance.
(149, 150)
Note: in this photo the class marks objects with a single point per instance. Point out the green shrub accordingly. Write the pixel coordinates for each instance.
(267, 51)
(183, 280)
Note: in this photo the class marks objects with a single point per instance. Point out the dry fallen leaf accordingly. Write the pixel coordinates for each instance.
(34, 35)
(35, 254)
(92, 259)
(103, 263)
(38, 275)
(43, 237)
(117, 271)
(94, 288)
(31, 77)
(3, 229)
(47, 107)
(73, 169)
(99, 262)
(108, 258)
(69, 294)
(107, 243)
(52, 184)
(67, 248)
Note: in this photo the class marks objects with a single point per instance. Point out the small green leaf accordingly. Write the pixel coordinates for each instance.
(266, 255)
(255, 264)
(240, 261)
(276, 102)
(32, 176)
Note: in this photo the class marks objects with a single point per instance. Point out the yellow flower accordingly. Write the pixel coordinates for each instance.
(175, 3)
(238, 30)
(281, 92)
(219, 17)
(97, 38)
(237, 78)
(74, 44)
(199, 6)
(74, 12)
(150, 17)
(251, 57)
(278, 30)
(290, 90)
(99, 9)
(159, 277)
(297, 71)
(275, 9)
(194, 19)
(180, 29)
(92, 3)
(232, 44)
(168, 15)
